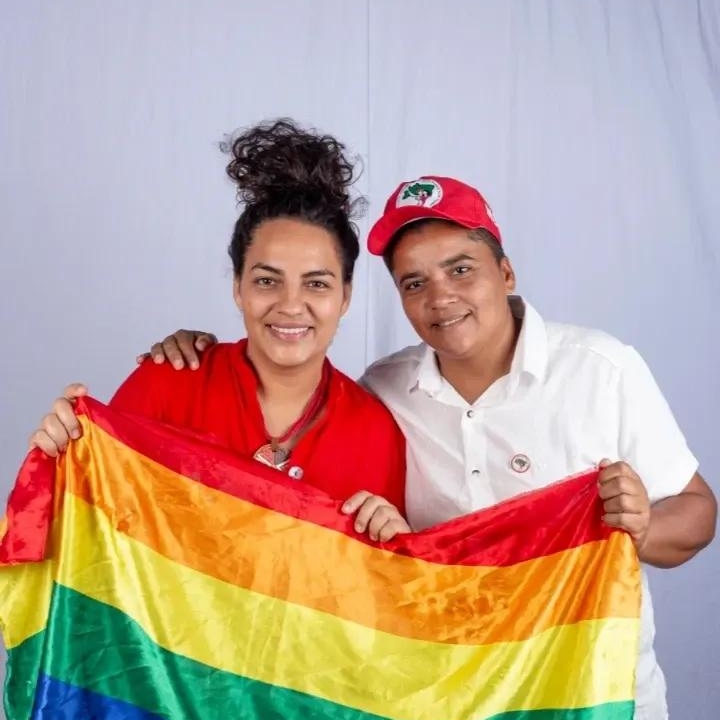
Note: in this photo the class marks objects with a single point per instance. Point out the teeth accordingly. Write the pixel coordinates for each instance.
(454, 321)
(290, 331)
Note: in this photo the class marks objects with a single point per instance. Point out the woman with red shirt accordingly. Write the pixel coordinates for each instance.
(274, 396)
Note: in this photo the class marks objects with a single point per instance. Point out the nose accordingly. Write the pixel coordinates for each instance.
(441, 294)
(291, 301)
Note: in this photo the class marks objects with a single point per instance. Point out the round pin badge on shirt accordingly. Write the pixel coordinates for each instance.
(520, 463)
(295, 472)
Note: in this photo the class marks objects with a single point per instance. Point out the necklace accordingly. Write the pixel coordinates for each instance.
(273, 453)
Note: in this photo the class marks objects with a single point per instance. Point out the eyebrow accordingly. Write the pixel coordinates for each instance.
(323, 272)
(408, 276)
(444, 264)
(455, 259)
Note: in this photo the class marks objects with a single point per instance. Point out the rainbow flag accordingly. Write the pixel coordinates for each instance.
(148, 574)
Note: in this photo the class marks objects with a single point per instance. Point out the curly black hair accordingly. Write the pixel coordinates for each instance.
(282, 170)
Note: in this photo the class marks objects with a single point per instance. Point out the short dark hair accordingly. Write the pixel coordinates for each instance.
(480, 235)
(282, 170)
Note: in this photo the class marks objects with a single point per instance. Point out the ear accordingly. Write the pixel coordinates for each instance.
(347, 296)
(237, 296)
(508, 274)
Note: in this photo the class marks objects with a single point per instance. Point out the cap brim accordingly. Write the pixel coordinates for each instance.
(383, 230)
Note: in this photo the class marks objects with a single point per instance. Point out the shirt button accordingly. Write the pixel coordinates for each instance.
(475, 472)
(470, 413)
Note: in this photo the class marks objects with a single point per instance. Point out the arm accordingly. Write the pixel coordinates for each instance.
(667, 533)
(680, 526)
(656, 493)
(382, 514)
(141, 394)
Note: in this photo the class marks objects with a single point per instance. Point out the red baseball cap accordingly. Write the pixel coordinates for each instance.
(431, 196)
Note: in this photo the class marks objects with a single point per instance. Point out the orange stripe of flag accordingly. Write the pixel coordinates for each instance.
(219, 535)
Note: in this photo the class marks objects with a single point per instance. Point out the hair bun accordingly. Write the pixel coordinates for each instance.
(276, 160)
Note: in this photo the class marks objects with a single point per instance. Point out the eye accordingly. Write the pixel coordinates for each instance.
(412, 285)
(461, 269)
(265, 281)
(318, 285)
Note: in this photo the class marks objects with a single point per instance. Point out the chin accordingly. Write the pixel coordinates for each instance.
(291, 356)
(445, 345)
(455, 351)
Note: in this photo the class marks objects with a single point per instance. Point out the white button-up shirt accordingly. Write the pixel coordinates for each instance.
(573, 396)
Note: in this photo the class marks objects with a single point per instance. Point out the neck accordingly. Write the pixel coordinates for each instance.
(471, 376)
(279, 384)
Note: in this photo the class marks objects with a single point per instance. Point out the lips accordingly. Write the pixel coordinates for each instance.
(450, 321)
(290, 332)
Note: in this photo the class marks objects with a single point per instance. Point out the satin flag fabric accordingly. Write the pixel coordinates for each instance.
(149, 574)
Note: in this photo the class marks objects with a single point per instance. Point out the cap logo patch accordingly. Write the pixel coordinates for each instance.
(424, 193)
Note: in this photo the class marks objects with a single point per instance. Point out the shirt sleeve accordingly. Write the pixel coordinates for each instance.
(365, 383)
(142, 393)
(651, 441)
(389, 445)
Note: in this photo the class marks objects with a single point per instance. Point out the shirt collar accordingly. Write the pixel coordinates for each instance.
(531, 352)
(427, 377)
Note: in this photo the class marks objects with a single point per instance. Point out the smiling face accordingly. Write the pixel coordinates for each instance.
(453, 290)
(291, 292)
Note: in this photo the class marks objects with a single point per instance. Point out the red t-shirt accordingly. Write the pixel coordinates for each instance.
(354, 445)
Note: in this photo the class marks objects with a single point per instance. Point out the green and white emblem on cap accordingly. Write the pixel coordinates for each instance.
(422, 192)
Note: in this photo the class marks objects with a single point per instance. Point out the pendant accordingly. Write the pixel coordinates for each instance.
(277, 459)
